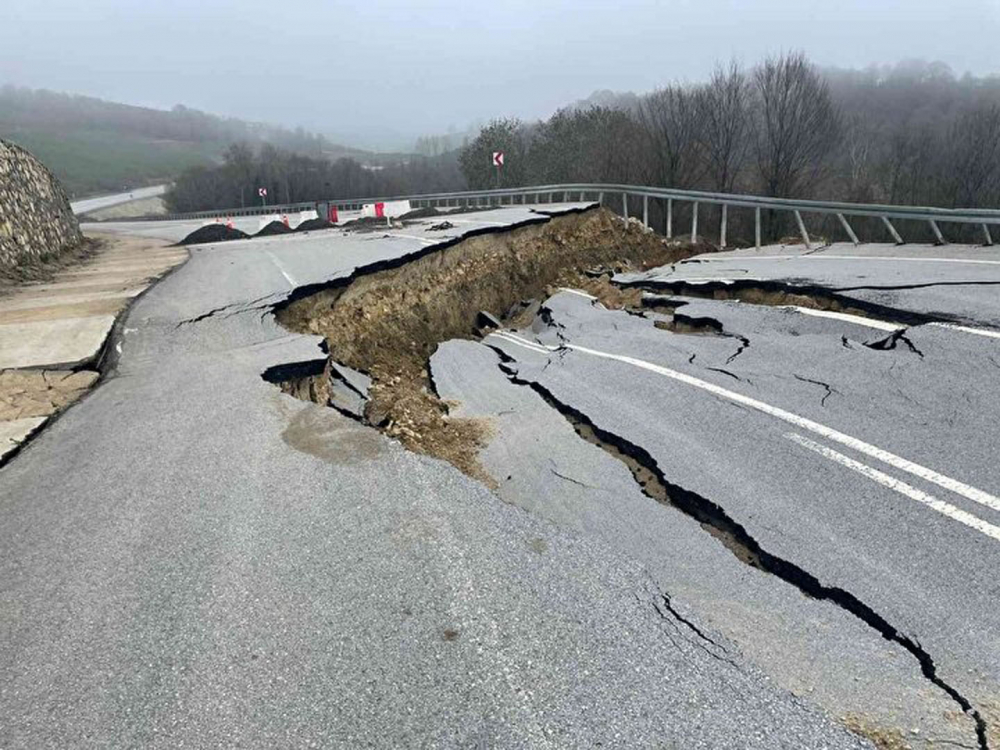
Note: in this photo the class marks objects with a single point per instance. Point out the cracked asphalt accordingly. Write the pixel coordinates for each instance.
(191, 557)
(733, 525)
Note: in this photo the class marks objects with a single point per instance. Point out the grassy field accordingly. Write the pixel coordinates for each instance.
(93, 162)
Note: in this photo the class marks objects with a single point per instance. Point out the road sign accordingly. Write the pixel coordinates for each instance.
(262, 192)
(498, 159)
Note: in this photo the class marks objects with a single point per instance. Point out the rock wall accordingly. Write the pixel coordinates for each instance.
(36, 221)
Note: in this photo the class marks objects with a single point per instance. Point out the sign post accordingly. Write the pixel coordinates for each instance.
(498, 163)
(262, 192)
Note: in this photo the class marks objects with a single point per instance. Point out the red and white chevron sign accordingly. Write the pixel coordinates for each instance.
(498, 158)
(262, 192)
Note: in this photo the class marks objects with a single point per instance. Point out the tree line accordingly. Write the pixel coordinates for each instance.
(912, 133)
(909, 134)
(289, 177)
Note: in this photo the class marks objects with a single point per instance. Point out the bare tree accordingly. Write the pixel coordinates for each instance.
(975, 140)
(797, 126)
(670, 120)
(724, 118)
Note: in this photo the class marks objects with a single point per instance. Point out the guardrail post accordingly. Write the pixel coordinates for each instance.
(722, 238)
(582, 194)
(847, 228)
(600, 198)
(756, 226)
(986, 233)
(670, 218)
(802, 230)
(565, 194)
(645, 211)
(694, 222)
(938, 237)
(892, 230)
(625, 206)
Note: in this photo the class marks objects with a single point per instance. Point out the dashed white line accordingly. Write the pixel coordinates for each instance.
(281, 268)
(952, 485)
(956, 514)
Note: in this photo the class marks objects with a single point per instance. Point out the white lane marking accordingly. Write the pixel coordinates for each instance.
(281, 268)
(576, 292)
(512, 339)
(856, 319)
(474, 221)
(848, 257)
(956, 514)
(952, 485)
(966, 329)
(411, 237)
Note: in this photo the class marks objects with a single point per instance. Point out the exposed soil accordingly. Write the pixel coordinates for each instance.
(45, 269)
(388, 319)
(213, 233)
(273, 228)
(420, 213)
(310, 225)
(367, 223)
(40, 393)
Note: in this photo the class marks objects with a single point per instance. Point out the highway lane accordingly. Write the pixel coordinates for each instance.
(954, 282)
(86, 205)
(873, 470)
(189, 556)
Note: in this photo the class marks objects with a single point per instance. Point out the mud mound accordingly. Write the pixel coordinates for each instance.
(275, 227)
(387, 319)
(313, 224)
(420, 213)
(213, 233)
(366, 223)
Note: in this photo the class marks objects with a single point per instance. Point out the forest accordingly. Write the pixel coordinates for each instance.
(912, 133)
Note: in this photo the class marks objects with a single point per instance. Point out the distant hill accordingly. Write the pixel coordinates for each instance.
(96, 146)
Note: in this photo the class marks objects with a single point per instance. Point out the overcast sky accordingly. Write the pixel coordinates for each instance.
(381, 72)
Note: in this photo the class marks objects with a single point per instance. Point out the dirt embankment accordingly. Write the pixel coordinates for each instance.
(388, 322)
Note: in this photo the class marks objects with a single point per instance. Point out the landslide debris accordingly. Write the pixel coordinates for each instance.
(273, 228)
(386, 320)
(213, 233)
(310, 225)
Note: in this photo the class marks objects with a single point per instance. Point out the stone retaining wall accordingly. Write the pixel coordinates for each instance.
(36, 221)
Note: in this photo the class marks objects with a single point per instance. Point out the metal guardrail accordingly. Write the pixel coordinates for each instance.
(596, 192)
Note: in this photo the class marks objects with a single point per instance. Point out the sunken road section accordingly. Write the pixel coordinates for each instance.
(386, 319)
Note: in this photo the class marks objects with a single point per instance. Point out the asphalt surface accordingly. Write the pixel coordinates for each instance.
(865, 463)
(956, 283)
(87, 205)
(190, 557)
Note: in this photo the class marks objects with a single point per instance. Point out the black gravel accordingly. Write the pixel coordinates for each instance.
(213, 233)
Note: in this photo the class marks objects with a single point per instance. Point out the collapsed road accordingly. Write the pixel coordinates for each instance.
(663, 516)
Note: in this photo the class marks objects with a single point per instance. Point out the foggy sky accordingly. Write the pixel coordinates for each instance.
(380, 72)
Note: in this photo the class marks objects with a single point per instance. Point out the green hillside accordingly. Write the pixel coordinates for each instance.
(91, 161)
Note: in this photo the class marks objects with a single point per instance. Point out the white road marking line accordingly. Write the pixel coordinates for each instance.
(411, 237)
(473, 221)
(511, 338)
(281, 268)
(847, 318)
(952, 485)
(966, 329)
(576, 292)
(956, 514)
(848, 257)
